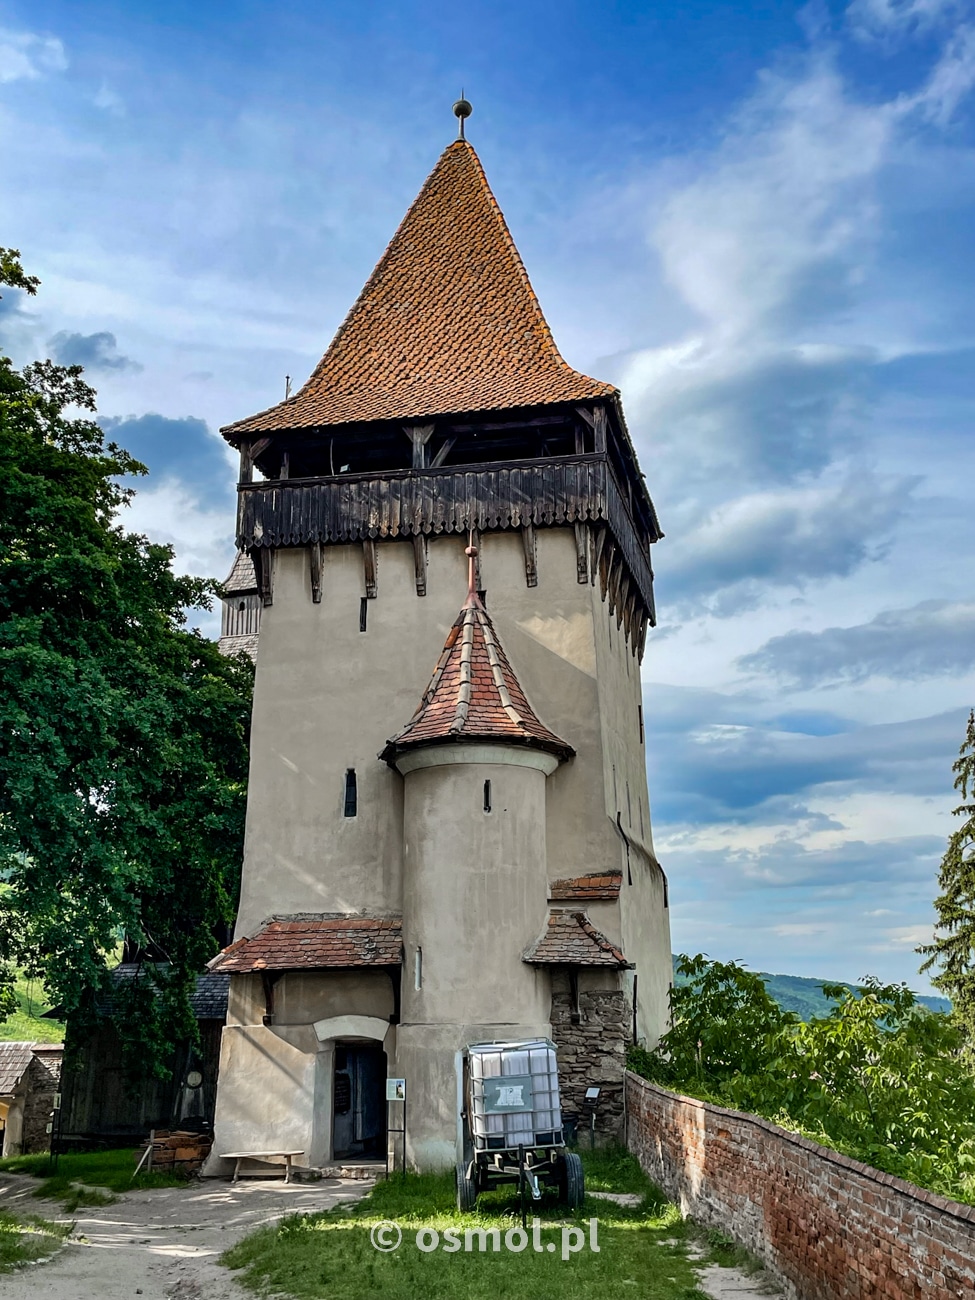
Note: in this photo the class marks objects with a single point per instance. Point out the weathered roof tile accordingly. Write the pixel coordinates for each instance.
(474, 695)
(571, 939)
(312, 943)
(447, 323)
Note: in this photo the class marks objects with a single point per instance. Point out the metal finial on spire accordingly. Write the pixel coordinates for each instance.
(462, 110)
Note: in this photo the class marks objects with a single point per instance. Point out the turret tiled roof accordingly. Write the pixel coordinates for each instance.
(447, 323)
(474, 695)
(571, 939)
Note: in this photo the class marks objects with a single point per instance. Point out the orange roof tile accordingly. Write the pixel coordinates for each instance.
(474, 695)
(602, 886)
(571, 939)
(447, 323)
(311, 943)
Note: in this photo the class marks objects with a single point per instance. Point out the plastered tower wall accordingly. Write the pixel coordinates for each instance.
(328, 696)
(475, 884)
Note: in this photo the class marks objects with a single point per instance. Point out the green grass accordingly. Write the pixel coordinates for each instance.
(26, 1025)
(109, 1169)
(23, 1240)
(641, 1249)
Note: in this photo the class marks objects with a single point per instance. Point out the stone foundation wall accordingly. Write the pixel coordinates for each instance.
(828, 1227)
(43, 1081)
(592, 1053)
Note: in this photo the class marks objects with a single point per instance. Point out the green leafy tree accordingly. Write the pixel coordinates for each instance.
(878, 1077)
(123, 734)
(953, 949)
(723, 1023)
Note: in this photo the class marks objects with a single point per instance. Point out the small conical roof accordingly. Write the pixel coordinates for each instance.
(474, 695)
(448, 322)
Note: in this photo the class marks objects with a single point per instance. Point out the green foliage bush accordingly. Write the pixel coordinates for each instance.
(880, 1077)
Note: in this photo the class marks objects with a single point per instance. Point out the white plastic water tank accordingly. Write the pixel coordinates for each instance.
(514, 1095)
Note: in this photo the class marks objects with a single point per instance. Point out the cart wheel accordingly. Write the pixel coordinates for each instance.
(466, 1188)
(572, 1183)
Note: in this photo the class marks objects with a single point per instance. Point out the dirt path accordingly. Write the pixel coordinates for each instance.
(162, 1245)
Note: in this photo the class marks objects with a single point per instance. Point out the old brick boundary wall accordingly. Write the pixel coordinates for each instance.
(828, 1227)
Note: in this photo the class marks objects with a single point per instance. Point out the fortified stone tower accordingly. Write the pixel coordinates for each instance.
(489, 872)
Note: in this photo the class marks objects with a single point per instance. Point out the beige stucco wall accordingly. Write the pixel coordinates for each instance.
(327, 697)
(276, 1081)
(475, 894)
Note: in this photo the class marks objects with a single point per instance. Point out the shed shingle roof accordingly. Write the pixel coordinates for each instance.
(447, 323)
(600, 886)
(474, 695)
(571, 939)
(312, 943)
(241, 580)
(14, 1060)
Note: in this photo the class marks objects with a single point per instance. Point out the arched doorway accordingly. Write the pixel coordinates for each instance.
(359, 1100)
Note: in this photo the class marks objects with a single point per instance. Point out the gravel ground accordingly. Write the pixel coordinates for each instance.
(162, 1244)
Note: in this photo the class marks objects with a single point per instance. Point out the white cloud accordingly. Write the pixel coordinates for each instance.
(109, 100)
(886, 18)
(784, 538)
(27, 55)
(949, 83)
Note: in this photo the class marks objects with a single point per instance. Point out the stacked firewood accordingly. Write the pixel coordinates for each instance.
(177, 1151)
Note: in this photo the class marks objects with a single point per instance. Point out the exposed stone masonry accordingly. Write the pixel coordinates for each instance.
(591, 1053)
(43, 1081)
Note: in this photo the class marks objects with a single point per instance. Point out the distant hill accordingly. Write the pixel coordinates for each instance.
(805, 997)
(26, 1024)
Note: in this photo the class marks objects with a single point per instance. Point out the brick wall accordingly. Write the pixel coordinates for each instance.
(828, 1227)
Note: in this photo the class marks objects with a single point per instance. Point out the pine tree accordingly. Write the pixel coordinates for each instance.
(953, 948)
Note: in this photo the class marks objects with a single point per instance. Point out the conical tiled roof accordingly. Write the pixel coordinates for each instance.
(474, 695)
(448, 322)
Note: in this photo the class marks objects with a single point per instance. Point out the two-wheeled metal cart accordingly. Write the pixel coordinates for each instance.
(513, 1124)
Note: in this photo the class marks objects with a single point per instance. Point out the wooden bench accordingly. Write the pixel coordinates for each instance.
(238, 1156)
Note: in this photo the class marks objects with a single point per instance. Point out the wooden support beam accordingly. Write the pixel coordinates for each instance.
(369, 568)
(580, 440)
(264, 564)
(531, 555)
(608, 559)
(259, 447)
(644, 624)
(615, 577)
(443, 452)
(624, 591)
(420, 563)
(599, 427)
(286, 465)
(582, 552)
(630, 616)
(587, 415)
(315, 563)
(598, 536)
(246, 463)
(419, 435)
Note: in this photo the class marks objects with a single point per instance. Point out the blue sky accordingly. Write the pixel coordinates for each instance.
(759, 222)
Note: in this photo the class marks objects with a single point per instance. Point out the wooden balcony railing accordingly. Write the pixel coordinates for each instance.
(452, 499)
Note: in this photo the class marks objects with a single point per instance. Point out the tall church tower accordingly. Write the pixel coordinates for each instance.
(477, 866)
